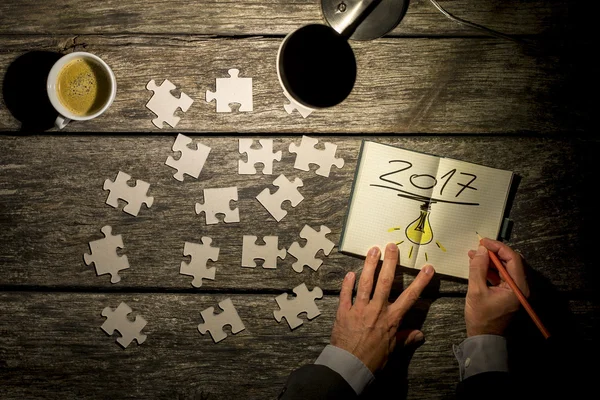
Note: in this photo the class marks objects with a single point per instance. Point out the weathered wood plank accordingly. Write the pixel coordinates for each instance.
(403, 86)
(52, 205)
(52, 347)
(270, 17)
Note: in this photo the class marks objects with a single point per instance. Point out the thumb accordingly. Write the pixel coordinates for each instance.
(478, 269)
(409, 337)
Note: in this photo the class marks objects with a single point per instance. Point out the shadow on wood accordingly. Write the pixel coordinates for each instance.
(557, 366)
(393, 378)
(24, 90)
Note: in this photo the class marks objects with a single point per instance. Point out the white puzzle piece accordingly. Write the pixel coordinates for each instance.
(264, 156)
(200, 254)
(216, 201)
(135, 196)
(293, 105)
(267, 252)
(104, 255)
(288, 190)
(303, 302)
(191, 161)
(307, 154)
(164, 104)
(232, 90)
(117, 320)
(315, 241)
(214, 323)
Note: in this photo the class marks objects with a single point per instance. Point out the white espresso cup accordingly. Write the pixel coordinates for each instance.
(53, 88)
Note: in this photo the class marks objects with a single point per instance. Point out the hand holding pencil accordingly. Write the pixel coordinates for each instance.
(489, 309)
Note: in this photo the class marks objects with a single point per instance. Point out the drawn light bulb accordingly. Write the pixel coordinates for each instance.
(419, 231)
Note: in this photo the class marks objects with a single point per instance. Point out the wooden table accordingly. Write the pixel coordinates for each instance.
(431, 85)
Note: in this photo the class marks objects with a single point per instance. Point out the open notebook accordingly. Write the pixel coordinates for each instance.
(429, 206)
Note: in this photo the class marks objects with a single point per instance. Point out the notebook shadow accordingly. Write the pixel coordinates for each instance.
(24, 90)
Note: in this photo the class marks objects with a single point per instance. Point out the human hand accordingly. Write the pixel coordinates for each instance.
(368, 328)
(489, 309)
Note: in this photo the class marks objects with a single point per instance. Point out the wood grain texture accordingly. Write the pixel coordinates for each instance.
(52, 204)
(403, 86)
(429, 76)
(269, 17)
(52, 347)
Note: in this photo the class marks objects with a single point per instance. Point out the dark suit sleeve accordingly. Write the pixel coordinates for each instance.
(316, 382)
(487, 385)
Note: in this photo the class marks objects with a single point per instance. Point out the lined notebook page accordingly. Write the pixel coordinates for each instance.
(472, 199)
(374, 210)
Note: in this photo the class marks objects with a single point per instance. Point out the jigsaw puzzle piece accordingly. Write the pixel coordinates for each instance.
(264, 156)
(191, 161)
(307, 154)
(129, 330)
(269, 252)
(164, 104)
(103, 254)
(315, 241)
(303, 302)
(214, 323)
(293, 105)
(135, 196)
(288, 191)
(216, 201)
(232, 90)
(200, 254)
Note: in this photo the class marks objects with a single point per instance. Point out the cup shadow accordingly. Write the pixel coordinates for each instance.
(24, 90)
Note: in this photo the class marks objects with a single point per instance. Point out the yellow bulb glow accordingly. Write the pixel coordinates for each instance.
(419, 231)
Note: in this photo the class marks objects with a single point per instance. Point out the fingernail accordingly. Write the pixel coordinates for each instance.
(348, 275)
(481, 250)
(428, 269)
(419, 337)
(374, 252)
(391, 247)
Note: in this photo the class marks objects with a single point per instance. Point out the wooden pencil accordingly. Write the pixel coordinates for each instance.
(508, 279)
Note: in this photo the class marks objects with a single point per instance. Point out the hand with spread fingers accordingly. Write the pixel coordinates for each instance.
(369, 328)
(489, 309)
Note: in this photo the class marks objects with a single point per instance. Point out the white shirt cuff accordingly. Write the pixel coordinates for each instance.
(354, 371)
(481, 353)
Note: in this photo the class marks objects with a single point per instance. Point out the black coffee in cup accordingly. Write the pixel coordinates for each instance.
(317, 66)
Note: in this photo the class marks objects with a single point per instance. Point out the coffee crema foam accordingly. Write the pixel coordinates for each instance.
(83, 87)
